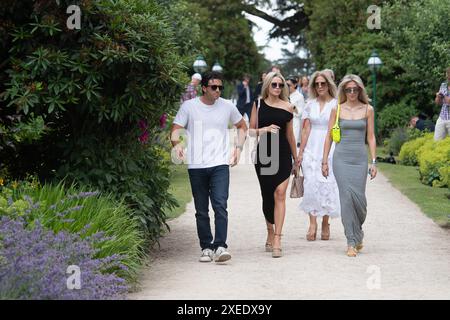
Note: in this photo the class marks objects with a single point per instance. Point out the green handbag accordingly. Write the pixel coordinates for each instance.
(336, 131)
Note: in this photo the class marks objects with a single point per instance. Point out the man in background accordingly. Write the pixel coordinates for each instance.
(191, 88)
(442, 128)
(245, 97)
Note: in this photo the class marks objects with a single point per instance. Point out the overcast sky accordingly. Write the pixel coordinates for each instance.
(261, 36)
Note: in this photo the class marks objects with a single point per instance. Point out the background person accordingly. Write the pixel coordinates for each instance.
(442, 128)
(298, 102)
(191, 88)
(245, 97)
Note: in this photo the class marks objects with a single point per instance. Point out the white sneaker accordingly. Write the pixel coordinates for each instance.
(221, 255)
(207, 255)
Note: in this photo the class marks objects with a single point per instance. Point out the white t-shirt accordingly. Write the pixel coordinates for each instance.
(207, 131)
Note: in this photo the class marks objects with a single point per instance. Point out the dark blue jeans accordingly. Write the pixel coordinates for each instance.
(211, 183)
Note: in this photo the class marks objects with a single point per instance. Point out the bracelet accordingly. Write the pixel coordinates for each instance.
(374, 161)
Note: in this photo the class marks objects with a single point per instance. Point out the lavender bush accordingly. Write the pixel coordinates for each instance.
(76, 210)
(34, 262)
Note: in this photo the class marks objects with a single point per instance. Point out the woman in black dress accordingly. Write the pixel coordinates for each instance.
(271, 121)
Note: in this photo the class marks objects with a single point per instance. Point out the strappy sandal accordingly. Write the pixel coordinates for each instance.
(311, 236)
(277, 252)
(325, 235)
(268, 245)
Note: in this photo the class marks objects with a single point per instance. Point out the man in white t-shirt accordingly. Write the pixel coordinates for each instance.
(208, 156)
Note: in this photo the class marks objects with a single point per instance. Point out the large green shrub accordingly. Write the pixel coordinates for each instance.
(434, 161)
(61, 208)
(395, 116)
(410, 149)
(126, 65)
(420, 32)
(399, 136)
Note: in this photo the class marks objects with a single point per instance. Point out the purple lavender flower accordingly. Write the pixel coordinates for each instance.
(37, 261)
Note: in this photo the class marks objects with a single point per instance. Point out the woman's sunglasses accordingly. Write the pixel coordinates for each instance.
(277, 85)
(352, 90)
(320, 84)
(215, 87)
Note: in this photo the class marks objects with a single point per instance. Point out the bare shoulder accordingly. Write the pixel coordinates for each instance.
(370, 109)
(288, 106)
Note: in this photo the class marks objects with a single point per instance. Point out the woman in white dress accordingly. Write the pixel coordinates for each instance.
(297, 100)
(321, 195)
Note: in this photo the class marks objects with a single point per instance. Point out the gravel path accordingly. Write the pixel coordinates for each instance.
(406, 255)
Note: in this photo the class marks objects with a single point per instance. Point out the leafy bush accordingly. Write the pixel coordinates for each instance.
(35, 264)
(399, 136)
(409, 150)
(92, 87)
(434, 161)
(395, 116)
(72, 210)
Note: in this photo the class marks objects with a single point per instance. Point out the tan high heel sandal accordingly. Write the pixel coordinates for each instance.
(268, 245)
(277, 252)
(325, 235)
(311, 236)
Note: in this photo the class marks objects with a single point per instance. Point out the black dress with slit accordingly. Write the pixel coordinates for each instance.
(274, 158)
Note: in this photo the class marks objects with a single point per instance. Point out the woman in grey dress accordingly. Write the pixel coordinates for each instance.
(356, 120)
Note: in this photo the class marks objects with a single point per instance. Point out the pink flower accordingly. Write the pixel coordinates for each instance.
(163, 120)
(143, 124)
(143, 138)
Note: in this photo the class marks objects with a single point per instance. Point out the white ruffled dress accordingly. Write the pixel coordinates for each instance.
(321, 195)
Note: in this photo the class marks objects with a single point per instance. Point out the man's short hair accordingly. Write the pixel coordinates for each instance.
(293, 79)
(210, 75)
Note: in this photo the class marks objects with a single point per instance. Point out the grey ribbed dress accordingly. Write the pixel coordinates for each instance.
(350, 170)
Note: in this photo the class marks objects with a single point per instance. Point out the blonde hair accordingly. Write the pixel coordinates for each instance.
(362, 96)
(284, 95)
(331, 73)
(332, 90)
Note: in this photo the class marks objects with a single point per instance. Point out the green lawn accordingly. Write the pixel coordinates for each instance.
(434, 202)
(180, 188)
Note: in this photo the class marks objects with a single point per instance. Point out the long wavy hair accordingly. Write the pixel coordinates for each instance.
(362, 96)
(332, 90)
(284, 95)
